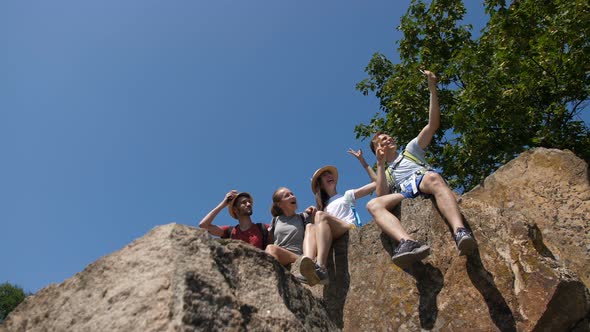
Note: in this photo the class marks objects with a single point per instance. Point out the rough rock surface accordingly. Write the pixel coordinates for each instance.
(551, 189)
(532, 222)
(531, 272)
(175, 278)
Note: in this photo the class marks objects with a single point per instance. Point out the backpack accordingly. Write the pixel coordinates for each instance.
(262, 229)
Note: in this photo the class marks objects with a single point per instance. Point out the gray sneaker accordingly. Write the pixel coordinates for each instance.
(465, 241)
(322, 274)
(408, 252)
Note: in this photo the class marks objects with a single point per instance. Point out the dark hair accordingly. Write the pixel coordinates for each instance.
(375, 140)
(321, 196)
(275, 210)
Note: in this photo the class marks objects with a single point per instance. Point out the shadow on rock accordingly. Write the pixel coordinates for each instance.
(429, 281)
(335, 293)
(388, 244)
(483, 281)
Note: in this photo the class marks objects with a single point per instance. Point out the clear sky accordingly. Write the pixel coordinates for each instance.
(119, 116)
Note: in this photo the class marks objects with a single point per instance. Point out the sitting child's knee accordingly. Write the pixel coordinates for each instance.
(271, 249)
(373, 205)
(433, 179)
(320, 216)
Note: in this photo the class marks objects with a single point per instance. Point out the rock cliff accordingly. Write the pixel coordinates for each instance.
(531, 220)
(175, 278)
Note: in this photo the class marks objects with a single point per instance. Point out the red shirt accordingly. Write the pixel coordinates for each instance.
(252, 235)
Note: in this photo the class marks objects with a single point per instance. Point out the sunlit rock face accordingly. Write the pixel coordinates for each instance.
(175, 278)
(531, 220)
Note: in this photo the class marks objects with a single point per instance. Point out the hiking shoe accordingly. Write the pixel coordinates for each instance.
(408, 252)
(306, 268)
(300, 278)
(322, 274)
(465, 241)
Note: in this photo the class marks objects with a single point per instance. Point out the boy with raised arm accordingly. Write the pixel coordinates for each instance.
(407, 175)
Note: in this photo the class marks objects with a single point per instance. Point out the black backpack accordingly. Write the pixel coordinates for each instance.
(262, 229)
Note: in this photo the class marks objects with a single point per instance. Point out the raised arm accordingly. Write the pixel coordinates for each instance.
(206, 223)
(359, 155)
(427, 133)
(381, 185)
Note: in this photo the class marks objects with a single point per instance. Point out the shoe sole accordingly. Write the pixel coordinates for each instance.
(406, 259)
(466, 246)
(301, 279)
(307, 270)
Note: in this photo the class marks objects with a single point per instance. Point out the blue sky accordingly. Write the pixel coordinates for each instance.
(119, 116)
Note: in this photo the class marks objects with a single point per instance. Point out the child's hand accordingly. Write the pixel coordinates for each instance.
(311, 210)
(358, 155)
(380, 154)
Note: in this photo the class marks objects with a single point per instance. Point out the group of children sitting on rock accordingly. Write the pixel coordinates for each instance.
(302, 240)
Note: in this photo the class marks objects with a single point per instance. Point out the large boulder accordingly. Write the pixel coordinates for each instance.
(531, 273)
(175, 278)
(531, 220)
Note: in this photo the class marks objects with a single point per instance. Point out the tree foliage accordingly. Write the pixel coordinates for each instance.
(10, 297)
(523, 83)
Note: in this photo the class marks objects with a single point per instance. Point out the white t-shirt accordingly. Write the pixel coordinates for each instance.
(340, 206)
(406, 167)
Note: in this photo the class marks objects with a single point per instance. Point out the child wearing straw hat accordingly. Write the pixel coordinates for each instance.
(335, 212)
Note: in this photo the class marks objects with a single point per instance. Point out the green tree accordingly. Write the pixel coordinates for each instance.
(523, 83)
(10, 297)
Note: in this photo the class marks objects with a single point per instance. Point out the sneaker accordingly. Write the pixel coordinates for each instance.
(465, 241)
(408, 252)
(300, 278)
(306, 268)
(322, 274)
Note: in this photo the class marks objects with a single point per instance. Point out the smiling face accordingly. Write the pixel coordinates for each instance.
(243, 206)
(287, 201)
(385, 142)
(327, 182)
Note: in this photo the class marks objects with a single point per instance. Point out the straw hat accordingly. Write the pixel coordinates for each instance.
(230, 207)
(319, 172)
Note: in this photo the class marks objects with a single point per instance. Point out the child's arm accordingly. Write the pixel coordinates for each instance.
(359, 155)
(365, 190)
(207, 221)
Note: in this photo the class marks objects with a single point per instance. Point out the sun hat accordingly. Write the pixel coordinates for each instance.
(319, 172)
(230, 207)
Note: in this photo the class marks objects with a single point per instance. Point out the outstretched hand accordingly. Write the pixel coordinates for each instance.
(430, 76)
(358, 154)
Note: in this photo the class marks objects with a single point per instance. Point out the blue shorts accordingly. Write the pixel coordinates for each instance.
(411, 187)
